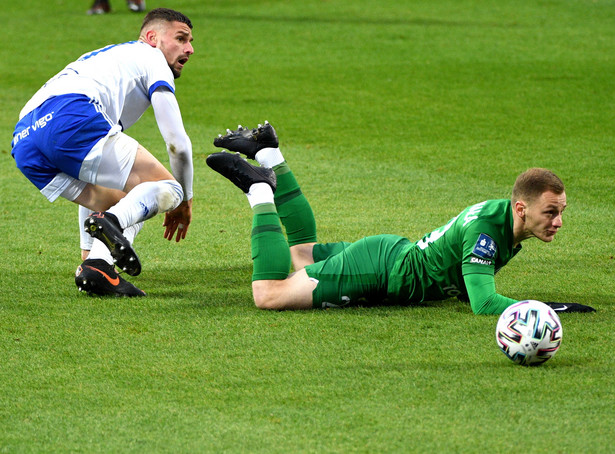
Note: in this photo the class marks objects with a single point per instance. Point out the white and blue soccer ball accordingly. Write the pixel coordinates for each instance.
(529, 332)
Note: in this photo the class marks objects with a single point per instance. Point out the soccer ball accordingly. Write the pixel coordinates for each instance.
(529, 332)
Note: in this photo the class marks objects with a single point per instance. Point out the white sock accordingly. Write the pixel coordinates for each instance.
(131, 231)
(269, 157)
(85, 240)
(100, 251)
(147, 200)
(260, 193)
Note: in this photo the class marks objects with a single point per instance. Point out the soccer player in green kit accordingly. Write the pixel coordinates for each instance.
(459, 259)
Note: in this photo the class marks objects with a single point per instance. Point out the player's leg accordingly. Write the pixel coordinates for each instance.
(107, 199)
(77, 142)
(271, 286)
(270, 250)
(149, 187)
(357, 274)
(56, 141)
(85, 240)
(295, 212)
(53, 184)
(96, 274)
(294, 209)
(293, 293)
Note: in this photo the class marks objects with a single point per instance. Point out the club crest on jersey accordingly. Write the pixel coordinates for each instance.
(485, 247)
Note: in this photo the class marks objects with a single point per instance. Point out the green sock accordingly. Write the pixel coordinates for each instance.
(293, 207)
(270, 252)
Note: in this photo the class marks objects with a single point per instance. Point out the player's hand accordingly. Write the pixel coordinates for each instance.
(570, 307)
(178, 220)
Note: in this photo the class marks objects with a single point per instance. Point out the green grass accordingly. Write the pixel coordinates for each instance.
(394, 117)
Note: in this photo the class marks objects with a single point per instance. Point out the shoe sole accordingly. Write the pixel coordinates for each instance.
(239, 171)
(122, 252)
(249, 141)
(92, 286)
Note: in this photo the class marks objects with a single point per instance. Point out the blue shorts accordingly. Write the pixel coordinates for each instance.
(57, 136)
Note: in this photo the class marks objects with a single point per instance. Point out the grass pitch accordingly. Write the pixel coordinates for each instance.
(394, 117)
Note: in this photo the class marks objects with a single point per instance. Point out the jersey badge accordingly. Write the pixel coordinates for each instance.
(485, 247)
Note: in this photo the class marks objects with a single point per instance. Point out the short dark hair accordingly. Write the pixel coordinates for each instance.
(166, 15)
(532, 183)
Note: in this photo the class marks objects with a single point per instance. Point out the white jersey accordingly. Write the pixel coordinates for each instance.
(121, 77)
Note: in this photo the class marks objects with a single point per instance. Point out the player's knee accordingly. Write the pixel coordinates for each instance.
(263, 301)
(170, 195)
(264, 296)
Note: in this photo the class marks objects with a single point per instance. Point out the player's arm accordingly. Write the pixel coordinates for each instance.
(478, 268)
(485, 300)
(179, 148)
(483, 297)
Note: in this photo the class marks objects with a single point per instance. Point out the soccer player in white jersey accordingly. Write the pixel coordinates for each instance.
(69, 142)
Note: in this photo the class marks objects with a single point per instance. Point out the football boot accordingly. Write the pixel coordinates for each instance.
(105, 227)
(136, 6)
(239, 171)
(248, 141)
(99, 7)
(97, 277)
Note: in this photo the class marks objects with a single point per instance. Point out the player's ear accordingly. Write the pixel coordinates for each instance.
(519, 208)
(150, 37)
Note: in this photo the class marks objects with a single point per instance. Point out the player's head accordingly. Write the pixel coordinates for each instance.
(171, 32)
(538, 200)
(532, 183)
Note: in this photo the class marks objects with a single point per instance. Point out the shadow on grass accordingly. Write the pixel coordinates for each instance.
(342, 20)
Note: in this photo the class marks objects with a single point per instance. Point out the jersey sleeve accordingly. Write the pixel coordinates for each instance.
(179, 146)
(157, 73)
(480, 248)
(482, 294)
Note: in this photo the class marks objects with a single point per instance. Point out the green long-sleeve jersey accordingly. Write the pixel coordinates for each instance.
(459, 259)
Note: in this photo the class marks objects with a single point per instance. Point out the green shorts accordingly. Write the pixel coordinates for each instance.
(354, 273)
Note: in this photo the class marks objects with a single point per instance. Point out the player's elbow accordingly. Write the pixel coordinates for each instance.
(480, 310)
(179, 147)
(483, 307)
(179, 152)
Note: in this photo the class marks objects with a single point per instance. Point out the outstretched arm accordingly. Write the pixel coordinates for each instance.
(485, 300)
(179, 148)
(483, 297)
